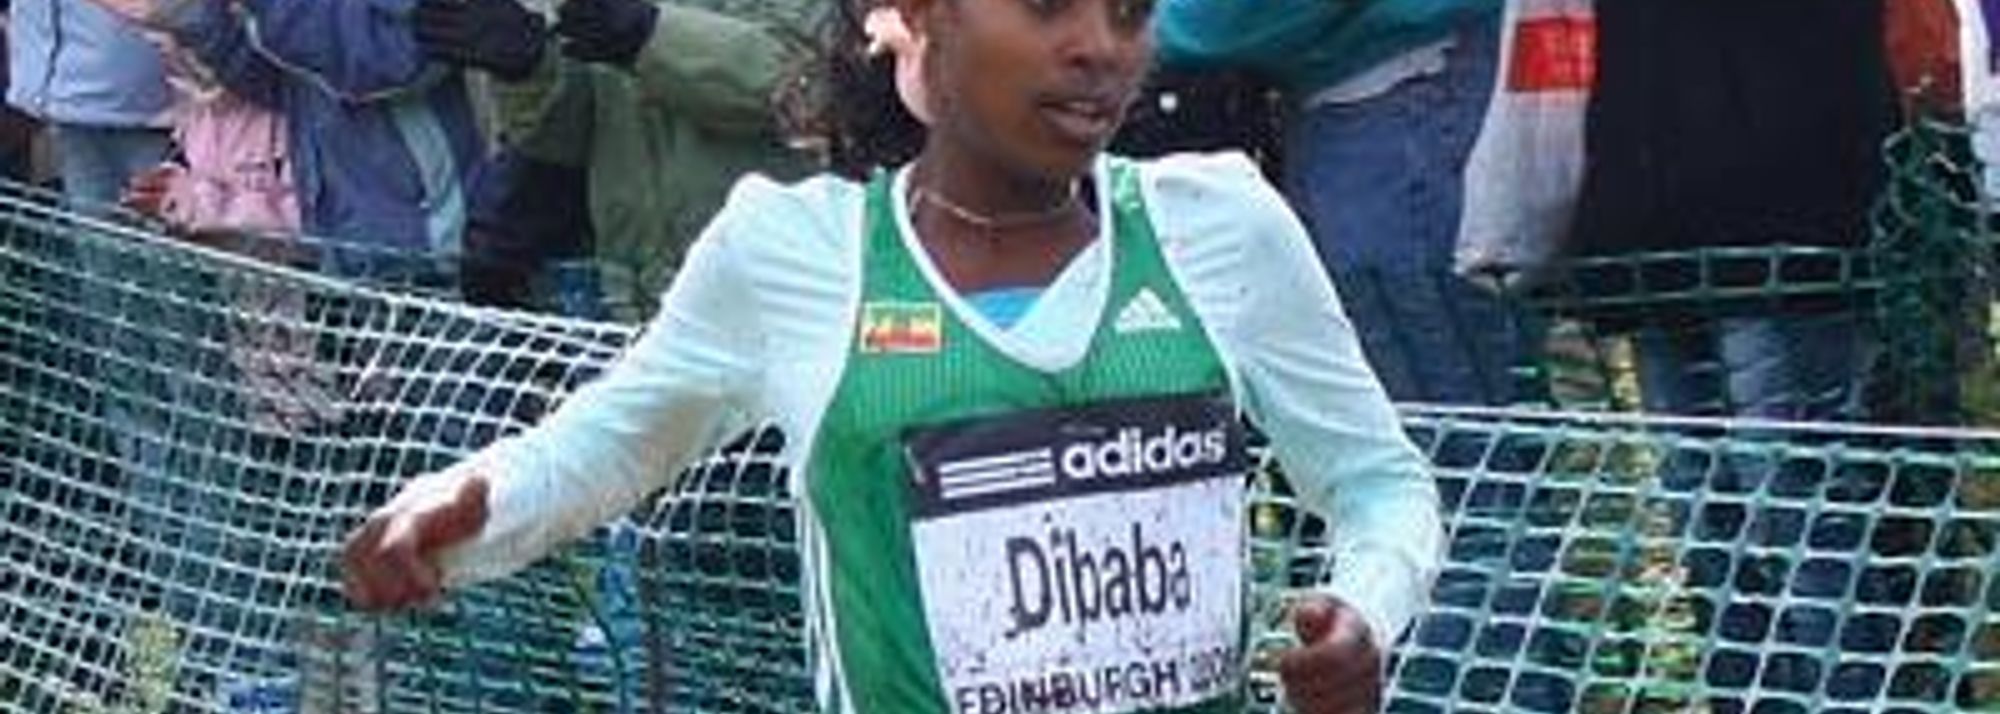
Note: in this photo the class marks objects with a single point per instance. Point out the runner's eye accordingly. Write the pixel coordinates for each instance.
(1132, 13)
(1048, 8)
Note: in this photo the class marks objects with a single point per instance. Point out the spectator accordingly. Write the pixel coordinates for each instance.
(230, 187)
(1388, 98)
(232, 346)
(1702, 136)
(98, 86)
(382, 142)
(230, 176)
(661, 106)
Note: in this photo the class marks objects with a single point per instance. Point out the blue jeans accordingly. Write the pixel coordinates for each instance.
(96, 162)
(616, 598)
(1785, 367)
(1810, 367)
(1378, 182)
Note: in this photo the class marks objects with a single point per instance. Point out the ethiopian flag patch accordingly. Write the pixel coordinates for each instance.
(902, 327)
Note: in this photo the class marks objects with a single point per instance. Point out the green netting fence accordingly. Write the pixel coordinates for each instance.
(1606, 563)
(188, 434)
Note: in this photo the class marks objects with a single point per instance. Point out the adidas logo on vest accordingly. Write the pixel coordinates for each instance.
(1146, 312)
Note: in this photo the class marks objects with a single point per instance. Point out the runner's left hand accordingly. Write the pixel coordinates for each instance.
(1336, 669)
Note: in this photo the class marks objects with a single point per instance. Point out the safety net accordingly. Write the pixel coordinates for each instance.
(186, 434)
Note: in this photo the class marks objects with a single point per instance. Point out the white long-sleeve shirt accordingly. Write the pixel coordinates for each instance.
(759, 323)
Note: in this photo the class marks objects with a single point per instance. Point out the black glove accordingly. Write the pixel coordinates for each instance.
(607, 31)
(498, 36)
(523, 215)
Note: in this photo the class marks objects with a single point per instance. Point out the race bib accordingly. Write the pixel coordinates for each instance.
(1084, 560)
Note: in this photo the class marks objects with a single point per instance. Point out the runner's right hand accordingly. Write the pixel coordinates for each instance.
(1336, 669)
(390, 562)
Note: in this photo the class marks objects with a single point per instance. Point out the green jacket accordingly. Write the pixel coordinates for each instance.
(664, 141)
(1304, 45)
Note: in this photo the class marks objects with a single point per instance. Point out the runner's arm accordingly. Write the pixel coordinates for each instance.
(1332, 426)
(673, 397)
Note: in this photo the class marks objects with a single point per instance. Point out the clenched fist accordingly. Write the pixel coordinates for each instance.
(1336, 669)
(390, 562)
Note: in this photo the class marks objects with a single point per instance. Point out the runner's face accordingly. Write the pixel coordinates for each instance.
(1038, 86)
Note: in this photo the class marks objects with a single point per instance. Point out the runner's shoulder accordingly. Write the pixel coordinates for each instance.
(1208, 207)
(812, 220)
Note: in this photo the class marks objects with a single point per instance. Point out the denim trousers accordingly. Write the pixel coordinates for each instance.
(1379, 184)
(96, 162)
(1805, 367)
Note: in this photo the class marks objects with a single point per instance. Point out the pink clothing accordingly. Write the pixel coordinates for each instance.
(235, 176)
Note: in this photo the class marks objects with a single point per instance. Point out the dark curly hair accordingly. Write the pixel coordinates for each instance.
(862, 120)
(855, 117)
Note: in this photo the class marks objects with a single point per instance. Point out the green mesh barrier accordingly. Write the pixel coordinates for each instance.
(188, 435)
(1604, 563)
(1939, 261)
(185, 435)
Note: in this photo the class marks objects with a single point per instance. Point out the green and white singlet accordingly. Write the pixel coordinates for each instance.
(1003, 538)
(992, 517)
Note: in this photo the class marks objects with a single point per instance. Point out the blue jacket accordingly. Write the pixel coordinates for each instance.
(72, 62)
(1304, 45)
(382, 142)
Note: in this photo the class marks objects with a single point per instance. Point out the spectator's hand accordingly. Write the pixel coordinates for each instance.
(499, 36)
(494, 280)
(390, 562)
(146, 193)
(1336, 668)
(606, 31)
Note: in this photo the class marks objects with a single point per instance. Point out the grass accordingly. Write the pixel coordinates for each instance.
(152, 668)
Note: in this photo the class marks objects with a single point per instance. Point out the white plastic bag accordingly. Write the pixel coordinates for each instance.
(1976, 20)
(1522, 180)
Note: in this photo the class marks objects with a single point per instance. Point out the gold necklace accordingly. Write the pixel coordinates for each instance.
(1002, 222)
